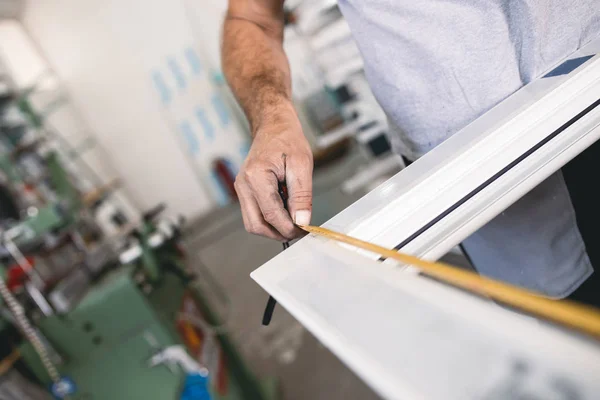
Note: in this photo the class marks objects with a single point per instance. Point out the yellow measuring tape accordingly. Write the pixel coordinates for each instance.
(573, 315)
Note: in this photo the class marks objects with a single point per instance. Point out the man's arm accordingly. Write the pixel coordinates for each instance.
(258, 72)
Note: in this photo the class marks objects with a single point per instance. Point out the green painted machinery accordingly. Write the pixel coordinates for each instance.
(129, 315)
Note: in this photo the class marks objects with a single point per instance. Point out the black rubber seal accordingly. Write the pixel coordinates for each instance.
(497, 175)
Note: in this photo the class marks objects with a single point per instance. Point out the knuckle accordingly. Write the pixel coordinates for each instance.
(305, 158)
(260, 230)
(251, 164)
(252, 228)
(301, 196)
(289, 234)
(254, 172)
(263, 231)
(248, 172)
(270, 215)
(237, 184)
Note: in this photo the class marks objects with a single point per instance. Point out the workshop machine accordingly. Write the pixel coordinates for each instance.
(102, 341)
(107, 318)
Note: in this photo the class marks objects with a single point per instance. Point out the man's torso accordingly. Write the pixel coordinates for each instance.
(436, 65)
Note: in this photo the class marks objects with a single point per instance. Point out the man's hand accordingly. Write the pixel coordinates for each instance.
(258, 72)
(279, 153)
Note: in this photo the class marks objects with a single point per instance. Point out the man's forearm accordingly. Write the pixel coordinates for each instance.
(256, 67)
(258, 72)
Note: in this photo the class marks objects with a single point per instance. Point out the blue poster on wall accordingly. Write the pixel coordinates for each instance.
(196, 106)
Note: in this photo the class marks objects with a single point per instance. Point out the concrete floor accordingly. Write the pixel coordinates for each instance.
(304, 368)
(284, 349)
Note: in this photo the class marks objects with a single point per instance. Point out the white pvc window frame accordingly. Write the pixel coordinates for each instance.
(445, 196)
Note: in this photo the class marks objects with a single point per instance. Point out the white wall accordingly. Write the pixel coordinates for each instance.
(18, 56)
(206, 17)
(107, 53)
(28, 69)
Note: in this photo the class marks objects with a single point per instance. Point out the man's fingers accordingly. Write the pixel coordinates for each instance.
(265, 189)
(298, 177)
(252, 216)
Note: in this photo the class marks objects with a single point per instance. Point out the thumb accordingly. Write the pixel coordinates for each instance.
(298, 177)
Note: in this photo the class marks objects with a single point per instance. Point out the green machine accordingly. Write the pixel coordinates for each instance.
(132, 312)
(102, 324)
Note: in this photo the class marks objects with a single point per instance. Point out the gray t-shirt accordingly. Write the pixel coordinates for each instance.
(436, 65)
